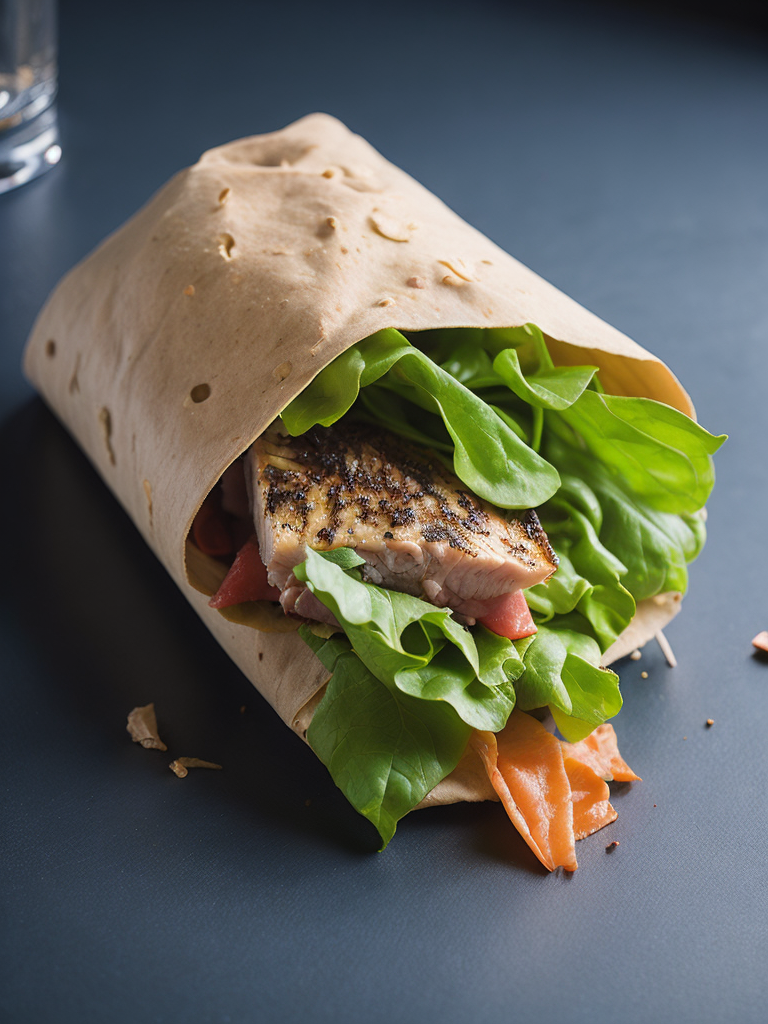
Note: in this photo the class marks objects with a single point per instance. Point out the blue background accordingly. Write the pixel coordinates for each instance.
(623, 154)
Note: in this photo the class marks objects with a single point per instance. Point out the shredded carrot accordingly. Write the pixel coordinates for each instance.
(591, 809)
(553, 792)
(600, 751)
(526, 768)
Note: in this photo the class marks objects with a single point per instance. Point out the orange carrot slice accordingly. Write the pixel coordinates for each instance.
(591, 809)
(600, 751)
(525, 765)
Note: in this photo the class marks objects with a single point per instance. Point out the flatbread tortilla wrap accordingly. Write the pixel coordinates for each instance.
(174, 345)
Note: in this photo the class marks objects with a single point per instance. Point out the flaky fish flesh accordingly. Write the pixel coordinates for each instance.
(416, 525)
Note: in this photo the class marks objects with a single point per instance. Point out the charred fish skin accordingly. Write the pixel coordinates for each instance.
(417, 526)
(536, 533)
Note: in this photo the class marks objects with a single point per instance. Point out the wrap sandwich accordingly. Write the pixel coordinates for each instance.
(417, 494)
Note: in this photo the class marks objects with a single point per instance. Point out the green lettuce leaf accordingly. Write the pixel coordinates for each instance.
(385, 750)
(617, 481)
(416, 648)
(606, 603)
(333, 391)
(408, 684)
(662, 457)
(562, 670)
(655, 547)
(544, 385)
(488, 456)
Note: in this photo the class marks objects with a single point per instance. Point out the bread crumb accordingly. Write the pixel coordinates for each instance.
(709, 723)
(643, 675)
(142, 725)
(636, 655)
(612, 846)
(761, 641)
(181, 765)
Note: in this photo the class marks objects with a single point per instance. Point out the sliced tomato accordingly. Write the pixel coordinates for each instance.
(509, 616)
(211, 527)
(246, 579)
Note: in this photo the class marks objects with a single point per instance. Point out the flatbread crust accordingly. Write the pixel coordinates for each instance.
(170, 348)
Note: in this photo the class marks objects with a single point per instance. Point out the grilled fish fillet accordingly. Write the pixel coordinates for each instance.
(416, 525)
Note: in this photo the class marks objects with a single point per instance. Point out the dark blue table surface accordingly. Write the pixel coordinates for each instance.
(624, 156)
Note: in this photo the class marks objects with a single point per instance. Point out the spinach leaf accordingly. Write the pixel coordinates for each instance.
(618, 482)
(384, 749)
(562, 670)
(662, 457)
(654, 546)
(488, 456)
(418, 649)
(544, 385)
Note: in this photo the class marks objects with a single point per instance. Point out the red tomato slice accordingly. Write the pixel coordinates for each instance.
(246, 579)
(210, 529)
(509, 616)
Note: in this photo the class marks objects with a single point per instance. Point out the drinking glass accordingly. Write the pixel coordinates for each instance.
(29, 139)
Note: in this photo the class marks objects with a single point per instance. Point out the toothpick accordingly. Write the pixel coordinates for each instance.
(666, 650)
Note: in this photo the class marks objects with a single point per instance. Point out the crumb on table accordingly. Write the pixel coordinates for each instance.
(142, 725)
(182, 765)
